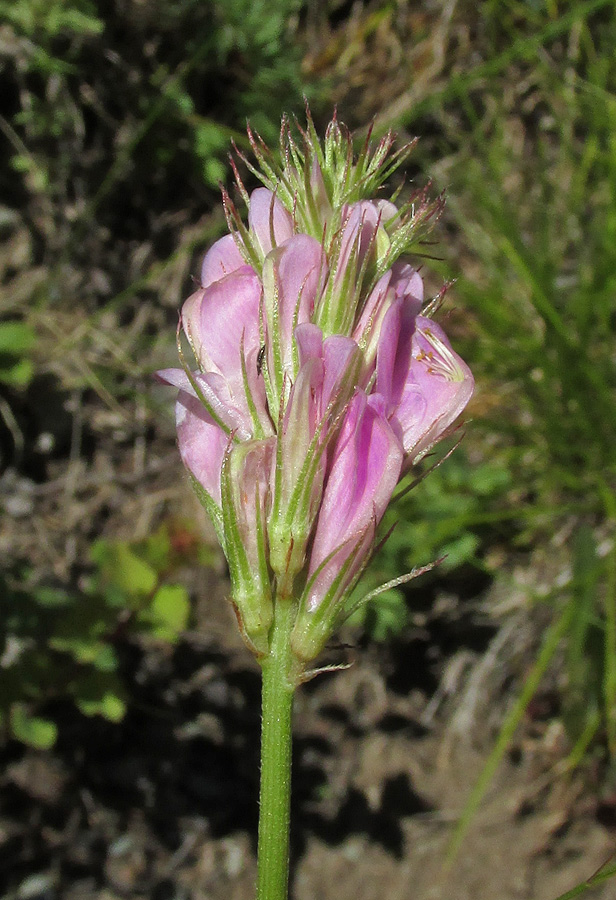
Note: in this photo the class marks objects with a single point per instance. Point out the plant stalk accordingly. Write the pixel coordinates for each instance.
(275, 793)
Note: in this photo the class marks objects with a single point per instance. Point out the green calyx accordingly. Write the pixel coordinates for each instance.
(245, 540)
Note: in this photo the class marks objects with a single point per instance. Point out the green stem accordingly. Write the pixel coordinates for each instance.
(275, 796)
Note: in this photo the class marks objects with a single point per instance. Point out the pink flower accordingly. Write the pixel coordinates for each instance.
(267, 217)
(202, 436)
(317, 381)
(352, 247)
(227, 397)
(364, 471)
(325, 381)
(426, 384)
(400, 283)
(293, 274)
(268, 220)
(222, 259)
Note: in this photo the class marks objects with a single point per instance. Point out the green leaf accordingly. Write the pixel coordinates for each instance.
(99, 693)
(32, 730)
(109, 706)
(16, 338)
(18, 374)
(156, 549)
(121, 567)
(52, 597)
(87, 652)
(169, 611)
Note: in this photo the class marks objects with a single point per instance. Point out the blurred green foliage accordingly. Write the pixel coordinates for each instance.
(61, 643)
(191, 73)
(451, 515)
(537, 209)
(16, 342)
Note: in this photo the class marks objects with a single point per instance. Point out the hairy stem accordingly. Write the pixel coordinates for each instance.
(275, 795)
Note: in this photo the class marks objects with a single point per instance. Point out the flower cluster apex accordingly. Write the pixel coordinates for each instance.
(320, 377)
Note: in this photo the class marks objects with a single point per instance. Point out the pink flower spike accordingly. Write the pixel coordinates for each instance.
(222, 259)
(266, 211)
(364, 472)
(439, 386)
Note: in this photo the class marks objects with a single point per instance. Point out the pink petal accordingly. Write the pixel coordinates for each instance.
(309, 339)
(301, 417)
(364, 472)
(339, 353)
(202, 443)
(292, 274)
(360, 222)
(252, 483)
(407, 283)
(394, 351)
(213, 388)
(387, 209)
(438, 387)
(216, 319)
(266, 212)
(222, 259)
(401, 282)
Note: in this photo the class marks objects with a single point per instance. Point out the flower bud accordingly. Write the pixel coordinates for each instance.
(245, 494)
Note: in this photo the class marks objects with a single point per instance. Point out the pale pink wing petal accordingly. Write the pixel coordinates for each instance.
(219, 320)
(222, 259)
(360, 222)
(292, 274)
(265, 213)
(202, 443)
(339, 354)
(214, 390)
(309, 339)
(394, 357)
